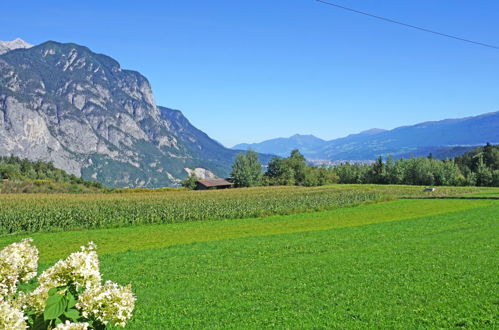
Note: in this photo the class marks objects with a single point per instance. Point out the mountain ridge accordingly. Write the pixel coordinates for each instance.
(63, 103)
(275, 146)
(404, 141)
(18, 43)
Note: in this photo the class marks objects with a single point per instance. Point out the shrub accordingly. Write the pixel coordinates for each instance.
(70, 294)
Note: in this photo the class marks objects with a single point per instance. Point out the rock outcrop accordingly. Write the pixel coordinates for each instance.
(80, 110)
(6, 46)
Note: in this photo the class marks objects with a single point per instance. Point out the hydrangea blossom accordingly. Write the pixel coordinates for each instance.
(11, 318)
(80, 269)
(72, 326)
(18, 263)
(108, 303)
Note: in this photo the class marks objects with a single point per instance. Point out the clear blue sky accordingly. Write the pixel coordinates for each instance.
(245, 71)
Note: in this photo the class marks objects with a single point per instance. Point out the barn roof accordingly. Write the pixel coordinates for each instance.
(214, 182)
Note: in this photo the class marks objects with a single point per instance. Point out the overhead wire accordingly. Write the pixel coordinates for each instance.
(407, 25)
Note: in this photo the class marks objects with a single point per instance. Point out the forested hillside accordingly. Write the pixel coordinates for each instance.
(22, 175)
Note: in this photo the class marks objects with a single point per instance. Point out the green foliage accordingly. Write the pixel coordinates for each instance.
(295, 171)
(297, 163)
(247, 170)
(59, 308)
(278, 173)
(484, 174)
(378, 173)
(190, 181)
(352, 173)
(475, 168)
(487, 154)
(22, 175)
(480, 165)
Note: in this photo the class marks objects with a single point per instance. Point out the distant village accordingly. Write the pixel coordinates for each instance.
(328, 162)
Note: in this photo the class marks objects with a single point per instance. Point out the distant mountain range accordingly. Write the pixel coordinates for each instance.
(445, 138)
(307, 144)
(80, 110)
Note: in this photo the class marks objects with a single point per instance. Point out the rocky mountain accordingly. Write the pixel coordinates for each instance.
(80, 110)
(6, 46)
(282, 146)
(438, 137)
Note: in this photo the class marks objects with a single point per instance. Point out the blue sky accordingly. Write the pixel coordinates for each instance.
(245, 71)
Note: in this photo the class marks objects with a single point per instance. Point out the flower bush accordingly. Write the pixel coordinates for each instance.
(70, 294)
(11, 317)
(18, 263)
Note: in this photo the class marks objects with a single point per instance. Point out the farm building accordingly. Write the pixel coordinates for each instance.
(212, 184)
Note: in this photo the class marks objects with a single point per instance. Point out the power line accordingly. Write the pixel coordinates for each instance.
(407, 25)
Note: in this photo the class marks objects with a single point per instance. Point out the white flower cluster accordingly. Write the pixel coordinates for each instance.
(72, 326)
(108, 303)
(10, 317)
(18, 263)
(80, 269)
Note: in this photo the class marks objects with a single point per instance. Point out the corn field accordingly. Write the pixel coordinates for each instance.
(28, 213)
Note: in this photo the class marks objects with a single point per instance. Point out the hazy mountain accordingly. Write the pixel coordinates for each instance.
(6, 46)
(415, 140)
(80, 110)
(282, 146)
(441, 138)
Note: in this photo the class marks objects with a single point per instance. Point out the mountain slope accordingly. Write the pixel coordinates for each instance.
(419, 139)
(216, 157)
(282, 146)
(438, 137)
(78, 109)
(6, 46)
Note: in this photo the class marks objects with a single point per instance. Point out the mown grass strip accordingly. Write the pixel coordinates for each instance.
(57, 245)
(431, 272)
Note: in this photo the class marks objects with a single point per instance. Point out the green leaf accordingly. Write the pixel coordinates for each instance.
(52, 291)
(54, 307)
(39, 323)
(58, 321)
(72, 314)
(71, 300)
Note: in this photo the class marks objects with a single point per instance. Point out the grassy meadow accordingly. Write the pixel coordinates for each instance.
(375, 261)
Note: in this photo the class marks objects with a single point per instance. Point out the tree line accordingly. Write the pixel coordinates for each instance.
(16, 169)
(479, 167)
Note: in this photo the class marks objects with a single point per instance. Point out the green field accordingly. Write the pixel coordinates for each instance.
(412, 263)
(28, 213)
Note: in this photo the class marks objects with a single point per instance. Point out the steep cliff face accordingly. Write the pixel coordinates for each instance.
(65, 104)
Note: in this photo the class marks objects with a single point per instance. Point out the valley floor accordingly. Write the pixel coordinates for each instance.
(398, 264)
